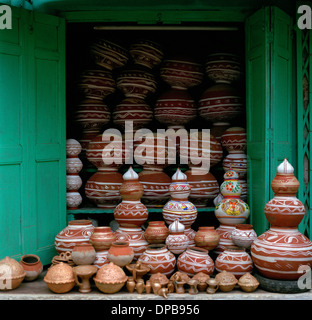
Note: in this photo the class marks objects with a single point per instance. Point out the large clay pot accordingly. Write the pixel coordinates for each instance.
(175, 107)
(159, 259)
(132, 109)
(83, 254)
(73, 148)
(195, 260)
(179, 207)
(76, 232)
(102, 238)
(207, 238)
(234, 140)
(147, 53)
(156, 232)
(279, 252)
(97, 84)
(220, 103)
(108, 55)
(136, 83)
(135, 237)
(102, 188)
(223, 67)
(120, 253)
(225, 233)
(181, 72)
(235, 260)
(32, 266)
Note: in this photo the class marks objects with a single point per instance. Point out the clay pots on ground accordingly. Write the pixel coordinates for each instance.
(195, 260)
(83, 254)
(120, 253)
(32, 266)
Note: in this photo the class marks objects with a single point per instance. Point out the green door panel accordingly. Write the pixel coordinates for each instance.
(32, 143)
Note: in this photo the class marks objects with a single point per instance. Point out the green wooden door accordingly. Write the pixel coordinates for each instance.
(270, 112)
(32, 143)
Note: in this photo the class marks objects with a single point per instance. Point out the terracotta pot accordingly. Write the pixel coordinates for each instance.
(73, 200)
(234, 140)
(279, 252)
(220, 103)
(97, 84)
(175, 107)
(225, 233)
(32, 266)
(236, 162)
(243, 235)
(101, 258)
(73, 165)
(207, 238)
(179, 207)
(159, 259)
(195, 260)
(131, 213)
(133, 109)
(130, 285)
(181, 72)
(120, 253)
(204, 187)
(136, 83)
(218, 129)
(235, 260)
(191, 236)
(102, 188)
(76, 232)
(135, 237)
(83, 254)
(156, 187)
(147, 53)
(102, 238)
(12, 274)
(223, 67)
(73, 148)
(73, 182)
(156, 232)
(131, 188)
(108, 55)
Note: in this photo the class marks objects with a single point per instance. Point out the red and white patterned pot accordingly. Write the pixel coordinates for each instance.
(225, 232)
(159, 259)
(156, 232)
(220, 103)
(279, 252)
(131, 213)
(236, 162)
(97, 84)
(177, 241)
(195, 260)
(76, 232)
(181, 73)
(136, 83)
(102, 238)
(223, 67)
(175, 107)
(135, 110)
(234, 140)
(243, 235)
(235, 260)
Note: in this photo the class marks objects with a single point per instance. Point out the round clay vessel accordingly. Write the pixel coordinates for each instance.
(110, 278)
(207, 238)
(101, 258)
(202, 278)
(73, 148)
(177, 241)
(32, 266)
(120, 253)
(102, 238)
(83, 254)
(156, 232)
(236, 162)
(234, 140)
(60, 278)
(227, 281)
(159, 259)
(235, 260)
(195, 260)
(225, 233)
(243, 235)
(248, 282)
(76, 232)
(12, 273)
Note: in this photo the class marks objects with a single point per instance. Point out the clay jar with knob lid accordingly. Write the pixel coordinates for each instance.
(156, 232)
(12, 273)
(102, 238)
(207, 237)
